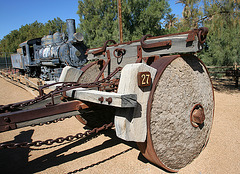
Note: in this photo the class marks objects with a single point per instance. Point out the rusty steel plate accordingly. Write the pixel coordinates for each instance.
(182, 85)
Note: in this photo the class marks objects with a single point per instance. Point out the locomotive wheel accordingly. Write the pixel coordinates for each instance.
(97, 115)
(179, 112)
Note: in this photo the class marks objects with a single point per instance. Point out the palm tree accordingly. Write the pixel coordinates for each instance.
(170, 21)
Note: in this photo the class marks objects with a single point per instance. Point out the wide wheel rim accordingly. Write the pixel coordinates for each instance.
(148, 149)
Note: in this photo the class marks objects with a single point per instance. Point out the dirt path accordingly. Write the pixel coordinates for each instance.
(109, 154)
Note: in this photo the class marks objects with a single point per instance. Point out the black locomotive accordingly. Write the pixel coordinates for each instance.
(45, 57)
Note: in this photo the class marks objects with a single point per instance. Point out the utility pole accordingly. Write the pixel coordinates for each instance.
(120, 21)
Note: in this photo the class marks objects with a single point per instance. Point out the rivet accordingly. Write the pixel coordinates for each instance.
(7, 127)
(101, 99)
(109, 100)
(7, 119)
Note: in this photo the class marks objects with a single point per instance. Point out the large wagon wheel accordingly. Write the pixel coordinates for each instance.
(97, 115)
(179, 112)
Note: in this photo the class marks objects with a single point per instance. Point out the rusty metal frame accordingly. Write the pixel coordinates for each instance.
(147, 148)
(8, 120)
(139, 54)
(149, 60)
(191, 37)
(104, 67)
(154, 45)
(103, 49)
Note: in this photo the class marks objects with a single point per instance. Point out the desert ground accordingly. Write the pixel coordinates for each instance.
(105, 153)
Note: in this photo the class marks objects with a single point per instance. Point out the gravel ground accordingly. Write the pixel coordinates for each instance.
(109, 154)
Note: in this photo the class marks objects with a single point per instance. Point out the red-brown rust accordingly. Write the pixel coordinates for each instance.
(120, 52)
(56, 140)
(25, 115)
(104, 67)
(82, 120)
(147, 148)
(155, 37)
(197, 116)
(149, 60)
(202, 34)
(154, 45)
(139, 54)
(101, 99)
(109, 100)
(191, 36)
(103, 49)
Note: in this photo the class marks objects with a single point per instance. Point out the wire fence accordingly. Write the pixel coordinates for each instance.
(5, 60)
(231, 73)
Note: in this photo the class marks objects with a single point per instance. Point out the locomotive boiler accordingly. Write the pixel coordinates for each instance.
(45, 57)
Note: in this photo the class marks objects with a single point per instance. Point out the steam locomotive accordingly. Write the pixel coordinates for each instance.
(45, 57)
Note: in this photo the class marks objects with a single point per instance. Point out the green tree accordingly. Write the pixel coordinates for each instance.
(192, 13)
(11, 41)
(222, 17)
(55, 25)
(99, 22)
(171, 21)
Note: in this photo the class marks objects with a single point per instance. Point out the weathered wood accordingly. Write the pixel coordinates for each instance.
(179, 45)
(131, 124)
(100, 97)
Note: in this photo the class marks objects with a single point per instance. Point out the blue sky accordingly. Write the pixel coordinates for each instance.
(15, 13)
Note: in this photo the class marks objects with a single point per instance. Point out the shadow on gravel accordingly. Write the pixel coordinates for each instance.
(16, 160)
(54, 158)
(225, 85)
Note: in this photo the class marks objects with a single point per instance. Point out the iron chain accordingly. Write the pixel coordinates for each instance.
(65, 87)
(57, 140)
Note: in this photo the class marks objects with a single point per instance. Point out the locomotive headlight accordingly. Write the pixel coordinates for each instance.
(77, 53)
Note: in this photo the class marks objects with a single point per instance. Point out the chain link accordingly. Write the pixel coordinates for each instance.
(53, 121)
(59, 89)
(57, 140)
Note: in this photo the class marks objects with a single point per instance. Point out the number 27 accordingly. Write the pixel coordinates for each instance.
(144, 79)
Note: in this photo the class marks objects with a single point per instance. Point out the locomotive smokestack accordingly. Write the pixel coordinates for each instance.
(71, 29)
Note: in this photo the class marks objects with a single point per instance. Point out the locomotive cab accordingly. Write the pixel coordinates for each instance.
(25, 58)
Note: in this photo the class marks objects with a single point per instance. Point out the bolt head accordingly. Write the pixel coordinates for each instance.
(198, 116)
(7, 127)
(7, 119)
